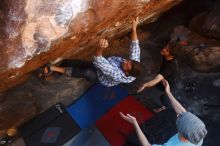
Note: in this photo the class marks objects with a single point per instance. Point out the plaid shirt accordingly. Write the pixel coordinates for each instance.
(109, 70)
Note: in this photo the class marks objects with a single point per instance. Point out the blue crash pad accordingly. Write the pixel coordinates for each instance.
(95, 103)
(88, 137)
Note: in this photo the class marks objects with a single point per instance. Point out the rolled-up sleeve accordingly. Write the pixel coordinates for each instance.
(135, 51)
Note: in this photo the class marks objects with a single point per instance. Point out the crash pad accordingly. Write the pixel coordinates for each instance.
(54, 127)
(88, 137)
(95, 103)
(114, 128)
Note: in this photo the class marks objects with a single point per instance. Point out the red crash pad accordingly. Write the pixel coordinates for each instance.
(114, 128)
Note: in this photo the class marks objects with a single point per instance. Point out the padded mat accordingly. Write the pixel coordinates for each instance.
(56, 130)
(95, 103)
(42, 119)
(114, 128)
(88, 137)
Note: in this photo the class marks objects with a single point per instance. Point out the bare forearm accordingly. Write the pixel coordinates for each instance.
(134, 34)
(58, 69)
(141, 136)
(99, 52)
(154, 81)
(176, 105)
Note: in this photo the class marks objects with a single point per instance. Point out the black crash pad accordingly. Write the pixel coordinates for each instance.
(53, 127)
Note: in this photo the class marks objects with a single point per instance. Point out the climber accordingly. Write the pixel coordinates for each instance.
(110, 71)
(168, 71)
(191, 130)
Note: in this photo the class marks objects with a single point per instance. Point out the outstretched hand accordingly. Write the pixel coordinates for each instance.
(166, 85)
(128, 118)
(135, 23)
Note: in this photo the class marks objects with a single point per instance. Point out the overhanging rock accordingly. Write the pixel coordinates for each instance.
(34, 32)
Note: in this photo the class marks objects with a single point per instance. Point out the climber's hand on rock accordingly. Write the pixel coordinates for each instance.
(103, 43)
(135, 23)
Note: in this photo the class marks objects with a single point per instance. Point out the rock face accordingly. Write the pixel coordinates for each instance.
(208, 23)
(34, 32)
(200, 53)
(22, 103)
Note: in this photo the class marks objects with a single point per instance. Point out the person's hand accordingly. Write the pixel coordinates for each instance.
(128, 118)
(141, 88)
(166, 85)
(135, 23)
(103, 43)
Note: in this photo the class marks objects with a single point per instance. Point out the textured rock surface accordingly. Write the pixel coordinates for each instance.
(34, 32)
(208, 23)
(200, 53)
(25, 101)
